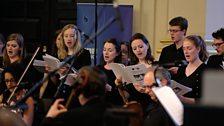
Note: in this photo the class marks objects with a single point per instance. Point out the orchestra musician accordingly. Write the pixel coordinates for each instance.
(90, 89)
(10, 77)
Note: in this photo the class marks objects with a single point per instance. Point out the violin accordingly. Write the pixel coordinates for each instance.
(132, 105)
(18, 95)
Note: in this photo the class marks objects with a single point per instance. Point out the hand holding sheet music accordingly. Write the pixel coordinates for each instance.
(53, 62)
(49, 60)
(129, 74)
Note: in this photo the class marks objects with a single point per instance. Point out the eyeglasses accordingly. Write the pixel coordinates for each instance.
(217, 44)
(11, 80)
(173, 31)
(151, 86)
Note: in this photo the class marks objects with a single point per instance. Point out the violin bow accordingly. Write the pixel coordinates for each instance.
(20, 79)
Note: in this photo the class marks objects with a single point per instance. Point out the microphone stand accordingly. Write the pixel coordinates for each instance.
(66, 60)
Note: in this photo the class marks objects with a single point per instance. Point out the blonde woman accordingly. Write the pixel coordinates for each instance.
(71, 44)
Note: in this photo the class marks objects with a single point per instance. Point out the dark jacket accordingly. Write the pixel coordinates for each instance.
(157, 116)
(91, 114)
(215, 62)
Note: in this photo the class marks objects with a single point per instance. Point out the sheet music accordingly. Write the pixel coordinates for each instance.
(171, 103)
(51, 61)
(178, 88)
(39, 65)
(129, 74)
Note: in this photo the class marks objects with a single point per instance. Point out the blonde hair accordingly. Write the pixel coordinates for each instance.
(63, 51)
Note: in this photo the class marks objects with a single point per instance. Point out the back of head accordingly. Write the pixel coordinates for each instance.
(179, 21)
(161, 73)
(91, 82)
(8, 118)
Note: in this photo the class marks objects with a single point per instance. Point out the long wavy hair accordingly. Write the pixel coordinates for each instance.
(63, 51)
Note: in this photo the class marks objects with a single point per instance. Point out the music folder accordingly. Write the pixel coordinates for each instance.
(178, 88)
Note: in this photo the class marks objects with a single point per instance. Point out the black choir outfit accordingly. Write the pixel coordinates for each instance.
(113, 96)
(82, 59)
(193, 81)
(171, 55)
(216, 62)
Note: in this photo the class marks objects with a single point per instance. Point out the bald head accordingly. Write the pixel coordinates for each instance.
(153, 73)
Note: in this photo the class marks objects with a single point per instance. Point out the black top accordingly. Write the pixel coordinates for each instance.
(171, 54)
(215, 62)
(193, 81)
(157, 116)
(112, 97)
(91, 114)
(82, 59)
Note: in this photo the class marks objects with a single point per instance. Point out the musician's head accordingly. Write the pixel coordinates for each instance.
(8, 118)
(11, 75)
(154, 73)
(91, 83)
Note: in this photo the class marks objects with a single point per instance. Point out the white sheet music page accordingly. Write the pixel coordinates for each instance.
(39, 65)
(171, 103)
(129, 74)
(51, 61)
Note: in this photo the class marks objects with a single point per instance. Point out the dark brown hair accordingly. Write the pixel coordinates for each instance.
(149, 58)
